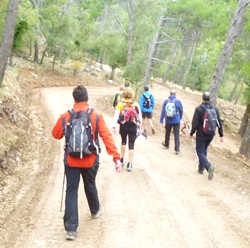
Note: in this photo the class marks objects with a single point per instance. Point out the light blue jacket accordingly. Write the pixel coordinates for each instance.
(179, 109)
(142, 99)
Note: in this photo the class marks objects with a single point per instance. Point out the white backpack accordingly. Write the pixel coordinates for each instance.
(170, 109)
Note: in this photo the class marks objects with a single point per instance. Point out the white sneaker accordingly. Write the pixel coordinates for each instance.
(71, 235)
(129, 167)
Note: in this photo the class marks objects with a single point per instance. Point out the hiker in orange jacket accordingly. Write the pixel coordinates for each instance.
(86, 167)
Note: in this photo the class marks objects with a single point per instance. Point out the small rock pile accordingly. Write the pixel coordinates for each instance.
(231, 115)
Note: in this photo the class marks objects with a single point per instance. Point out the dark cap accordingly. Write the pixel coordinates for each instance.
(206, 96)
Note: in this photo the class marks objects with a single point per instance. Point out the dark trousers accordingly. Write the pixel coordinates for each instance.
(71, 202)
(202, 143)
(176, 128)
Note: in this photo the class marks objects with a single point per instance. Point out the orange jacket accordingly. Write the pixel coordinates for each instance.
(103, 131)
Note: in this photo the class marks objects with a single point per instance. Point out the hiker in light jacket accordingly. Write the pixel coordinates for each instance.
(172, 122)
(128, 129)
(147, 112)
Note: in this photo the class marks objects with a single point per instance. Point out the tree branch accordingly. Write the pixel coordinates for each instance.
(165, 62)
(119, 22)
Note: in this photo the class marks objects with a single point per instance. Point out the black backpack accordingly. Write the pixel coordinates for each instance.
(210, 120)
(117, 99)
(147, 101)
(79, 141)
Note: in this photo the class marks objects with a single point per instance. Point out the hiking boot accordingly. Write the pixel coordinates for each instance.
(163, 143)
(71, 235)
(200, 172)
(96, 215)
(153, 131)
(129, 167)
(211, 172)
(177, 152)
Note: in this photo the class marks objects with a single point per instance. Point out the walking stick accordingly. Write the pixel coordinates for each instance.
(192, 140)
(64, 175)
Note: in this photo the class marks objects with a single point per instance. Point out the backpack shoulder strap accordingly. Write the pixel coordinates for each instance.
(96, 126)
(90, 110)
(127, 103)
(173, 101)
(71, 112)
(146, 97)
(205, 107)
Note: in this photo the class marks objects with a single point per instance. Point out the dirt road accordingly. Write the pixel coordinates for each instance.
(164, 202)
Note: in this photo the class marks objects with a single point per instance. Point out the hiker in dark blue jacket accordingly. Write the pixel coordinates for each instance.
(147, 104)
(171, 115)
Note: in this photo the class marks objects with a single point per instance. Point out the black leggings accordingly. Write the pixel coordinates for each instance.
(130, 130)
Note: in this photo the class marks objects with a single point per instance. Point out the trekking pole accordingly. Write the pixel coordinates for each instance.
(192, 140)
(64, 175)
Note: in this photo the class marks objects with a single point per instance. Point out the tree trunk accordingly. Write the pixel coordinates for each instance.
(239, 93)
(198, 33)
(230, 98)
(233, 32)
(244, 121)
(11, 60)
(43, 55)
(197, 68)
(54, 62)
(183, 68)
(152, 51)
(244, 131)
(30, 48)
(7, 37)
(173, 57)
(131, 11)
(36, 52)
(112, 74)
(174, 77)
